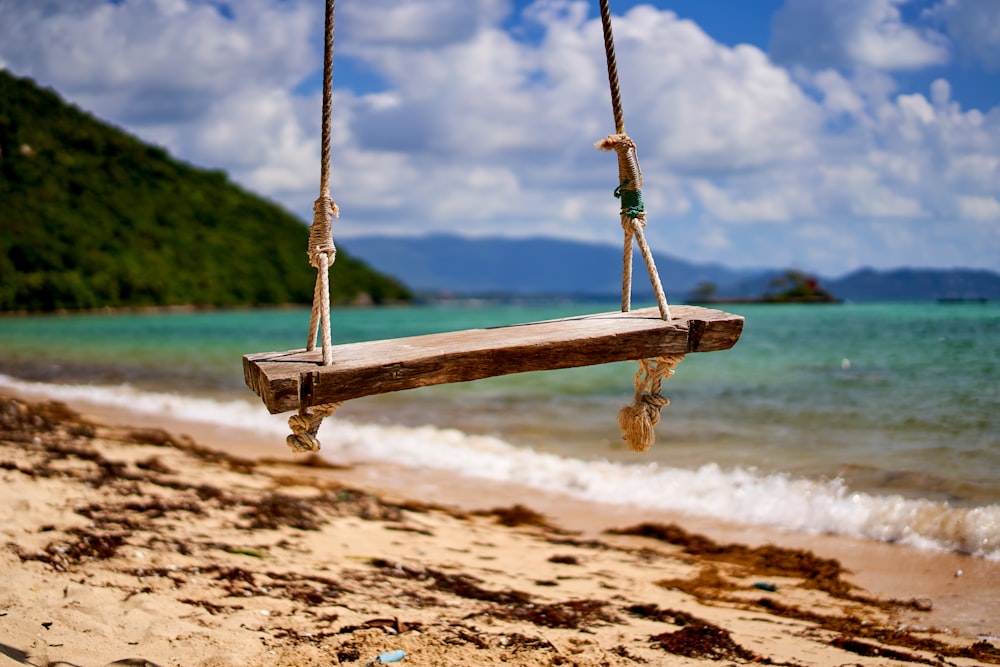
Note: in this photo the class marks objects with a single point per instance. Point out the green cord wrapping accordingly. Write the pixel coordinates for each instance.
(631, 200)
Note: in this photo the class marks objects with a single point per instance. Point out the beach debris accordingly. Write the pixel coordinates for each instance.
(392, 626)
(85, 546)
(766, 586)
(387, 657)
(654, 612)
(868, 650)
(244, 551)
(701, 639)
(768, 560)
(570, 615)
(212, 608)
(276, 510)
(564, 559)
(981, 650)
(518, 515)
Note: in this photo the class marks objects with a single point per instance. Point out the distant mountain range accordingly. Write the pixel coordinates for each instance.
(444, 264)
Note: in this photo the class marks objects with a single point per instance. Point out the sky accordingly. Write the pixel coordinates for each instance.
(824, 135)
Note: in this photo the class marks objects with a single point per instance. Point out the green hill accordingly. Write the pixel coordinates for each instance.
(91, 217)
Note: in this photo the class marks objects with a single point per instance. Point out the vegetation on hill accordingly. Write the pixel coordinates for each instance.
(90, 217)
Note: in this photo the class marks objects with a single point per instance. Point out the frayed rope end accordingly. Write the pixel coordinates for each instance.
(638, 420)
(305, 427)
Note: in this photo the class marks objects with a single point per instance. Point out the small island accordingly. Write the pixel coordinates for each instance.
(792, 286)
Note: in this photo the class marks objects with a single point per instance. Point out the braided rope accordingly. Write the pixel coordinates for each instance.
(637, 421)
(630, 179)
(324, 183)
(322, 253)
(321, 250)
(609, 52)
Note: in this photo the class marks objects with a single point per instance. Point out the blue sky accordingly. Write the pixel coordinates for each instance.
(826, 135)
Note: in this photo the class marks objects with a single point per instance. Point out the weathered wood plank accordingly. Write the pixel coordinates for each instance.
(285, 379)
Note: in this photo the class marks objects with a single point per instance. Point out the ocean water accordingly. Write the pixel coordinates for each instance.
(879, 421)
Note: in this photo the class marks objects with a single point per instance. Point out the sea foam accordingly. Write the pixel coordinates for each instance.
(738, 494)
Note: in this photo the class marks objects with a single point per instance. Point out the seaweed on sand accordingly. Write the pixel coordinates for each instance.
(701, 639)
(85, 546)
(820, 573)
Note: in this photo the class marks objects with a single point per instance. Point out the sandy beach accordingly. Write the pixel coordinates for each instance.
(139, 545)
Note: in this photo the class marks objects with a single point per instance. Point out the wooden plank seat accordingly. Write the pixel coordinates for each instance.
(287, 380)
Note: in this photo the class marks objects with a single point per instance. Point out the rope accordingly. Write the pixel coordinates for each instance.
(321, 249)
(609, 51)
(633, 219)
(322, 253)
(638, 420)
(633, 211)
(305, 425)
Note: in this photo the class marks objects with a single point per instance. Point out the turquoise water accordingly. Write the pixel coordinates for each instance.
(894, 401)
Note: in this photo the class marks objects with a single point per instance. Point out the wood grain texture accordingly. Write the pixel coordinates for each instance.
(284, 380)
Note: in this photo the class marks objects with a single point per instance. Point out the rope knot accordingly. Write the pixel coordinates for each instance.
(633, 225)
(615, 142)
(305, 426)
(629, 189)
(321, 230)
(638, 420)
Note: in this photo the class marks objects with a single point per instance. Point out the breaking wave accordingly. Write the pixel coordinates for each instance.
(737, 494)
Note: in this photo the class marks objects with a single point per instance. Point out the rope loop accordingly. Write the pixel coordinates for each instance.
(305, 426)
(638, 420)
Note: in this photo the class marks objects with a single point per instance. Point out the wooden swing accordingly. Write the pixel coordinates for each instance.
(316, 382)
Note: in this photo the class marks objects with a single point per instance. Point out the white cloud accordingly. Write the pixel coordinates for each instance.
(732, 205)
(977, 172)
(850, 33)
(974, 25)
(979, 207)
(839, 95)
(710, 106)
(427, 24)
(141, 61)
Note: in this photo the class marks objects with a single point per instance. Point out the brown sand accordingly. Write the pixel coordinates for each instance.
(134, 546)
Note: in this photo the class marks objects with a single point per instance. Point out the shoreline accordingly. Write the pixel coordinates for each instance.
(134, 545)
(962, 603)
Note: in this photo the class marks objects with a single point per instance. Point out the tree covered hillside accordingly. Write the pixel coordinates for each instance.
(90, 217)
